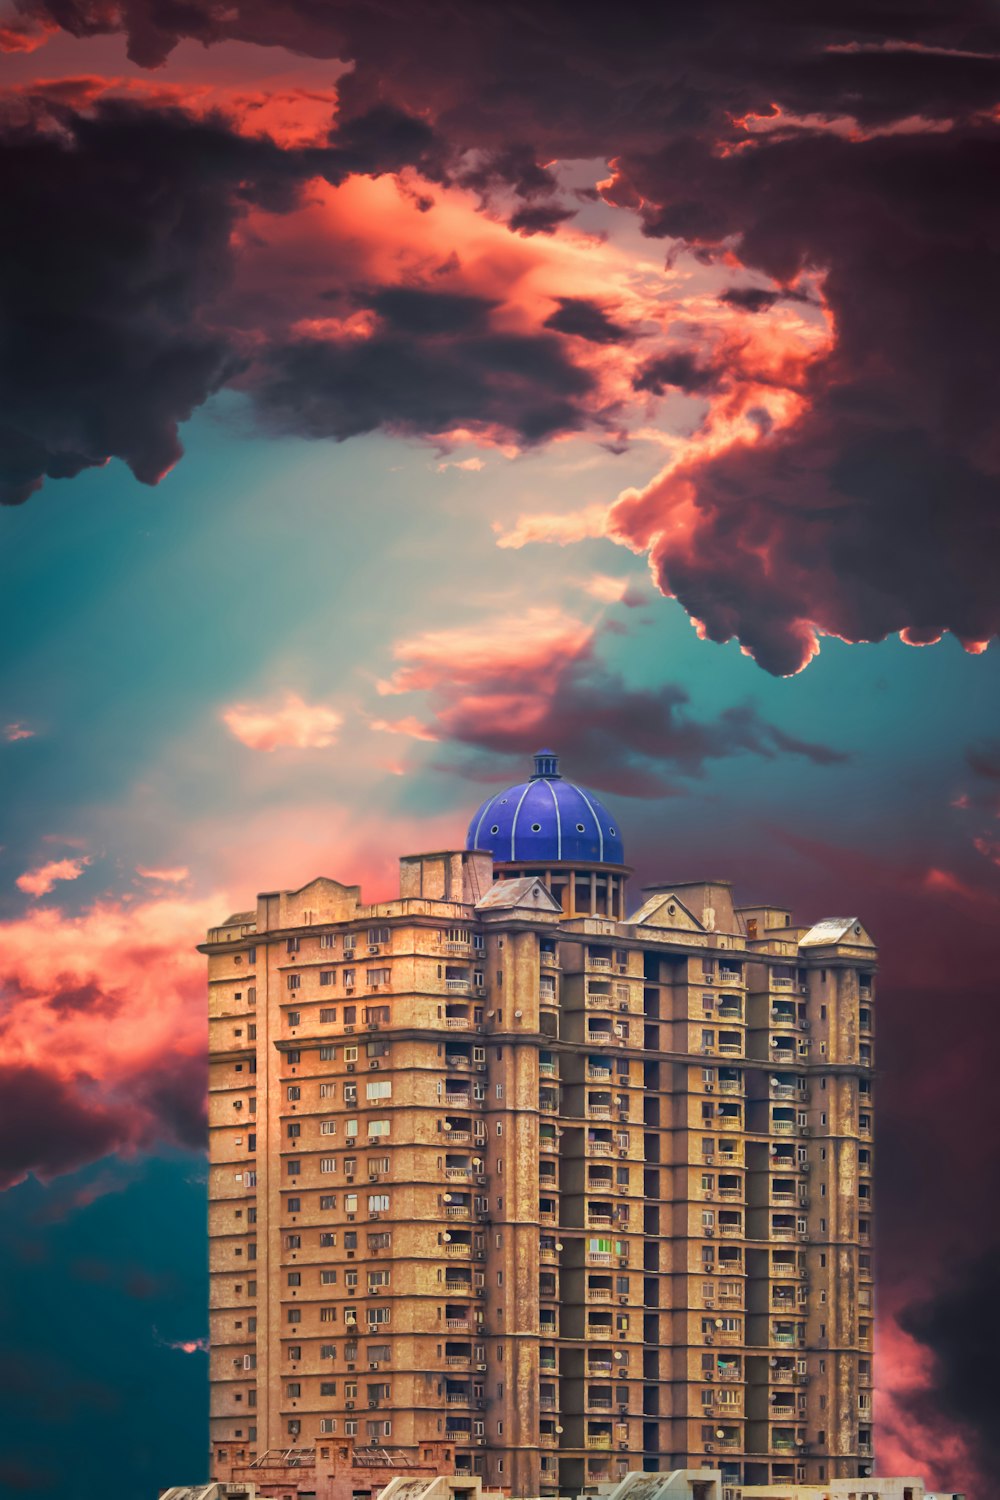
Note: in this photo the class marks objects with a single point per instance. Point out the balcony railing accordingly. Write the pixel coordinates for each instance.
(599, 1293)
(730, 1085)
(454, 1249)
(593, 1072)
(599, 1257)
(458, 1398)
(457, 1172)
(599, 1331)
(736, 1229)
(458, 1325)
(549, 1069)
(457, 1023)
(600, 1148)
(783, 1127)
(458, 986)
(602, 1441)
(598, 963)
(781, 984)
(599, 1221)
(599, 1111)
(456, 1361)
(458, 1210)
(730, 1193)
(782, 1091)
(731, 1049)
(459, 1136)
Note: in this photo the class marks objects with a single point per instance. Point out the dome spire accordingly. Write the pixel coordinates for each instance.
(546, 765)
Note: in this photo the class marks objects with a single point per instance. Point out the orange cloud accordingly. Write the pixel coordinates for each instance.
(292, 725)
(496, 650)
(172, 876)
(39, 882)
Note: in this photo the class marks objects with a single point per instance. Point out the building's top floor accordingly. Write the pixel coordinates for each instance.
(553, 873)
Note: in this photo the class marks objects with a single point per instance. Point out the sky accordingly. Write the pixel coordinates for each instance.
(389, 390)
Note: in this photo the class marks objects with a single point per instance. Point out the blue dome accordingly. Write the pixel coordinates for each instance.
(545, 820)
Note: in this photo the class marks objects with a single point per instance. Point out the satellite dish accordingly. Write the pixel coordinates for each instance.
(718, 1322)
(559, 1247)
(446, 1125)
(774, 1082)
(518, 1014)
(558, 1429)
(720, 1432)
(617, 1354)
(446, 1238)
(447, 1197)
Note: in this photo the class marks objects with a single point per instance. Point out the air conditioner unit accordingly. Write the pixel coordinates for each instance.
(805, 1166)
(376, 1214)
(708, 1339)
(349, 990)
(349, 1405)
(372, 1405)
(482, 1217)
(373, 1177)
(623, 1005)
(351, 1066)
(481, 1367)
(708, 1193)
(376, 1064)
(480, 1067)
(480, 1178)
(373, 1364)
(623, 1299)
(710, 1088)
(623, 1260)
(709, 1156)
(709, 1447)
(709, 1232)
(805, 1025)
(803, 1236)
(623, 1151)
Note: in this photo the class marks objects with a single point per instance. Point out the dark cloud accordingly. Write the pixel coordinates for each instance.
(587, 320)
(756, 299)
(539, 218)
(984, 760)
(680, 369)
(959, 1322)
(114, 245)
(47, 1127)
(455, 376)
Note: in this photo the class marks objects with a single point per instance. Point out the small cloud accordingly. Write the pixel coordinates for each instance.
(472, 465)
(184, 1346)
(610, 590)
(17, 731)
(410, 726)
(294, 725)
(39, 882)
(173, 876)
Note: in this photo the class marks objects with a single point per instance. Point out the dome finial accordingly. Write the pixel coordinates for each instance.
(546, 764)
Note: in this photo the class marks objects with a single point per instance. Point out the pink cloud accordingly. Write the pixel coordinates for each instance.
(175, 875)
(411, 726)
(909, 1440)
(102, 1032)
(39, 882)
(17, 731)
(493, 651)
(293, 724)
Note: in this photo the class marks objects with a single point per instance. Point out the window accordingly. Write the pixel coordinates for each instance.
(327, 1278)
(327, 1424)
(293, 1056)
(378, 1128)
(327, 1090)
(326, 1016)
(293, 1242)
(328, 1315)
(328, 940)
(294, 1016)
(328, 1164)
(292, 945)
(350, 1054)
(378, 1203)
(380, 1015)
(294, 1206)
(295, 1315)
(295, 1278)
(328, 1201)
(378, 1088)
(377, 1279)
(294, 1130)
(293, 1168)
(328, 1351)
(293, 1390)
(378, 976)
(293, 981)
(293, 1092)
(378, 1316)
(328, 1240)
(328, 1127)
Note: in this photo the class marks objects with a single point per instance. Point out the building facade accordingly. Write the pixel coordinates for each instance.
(508, 1181)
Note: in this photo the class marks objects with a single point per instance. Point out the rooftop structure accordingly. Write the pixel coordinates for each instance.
(508, 1185)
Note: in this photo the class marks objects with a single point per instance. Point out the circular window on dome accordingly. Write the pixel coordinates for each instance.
(612, 832)
(536, 827)
(580, 828)
(495, 828)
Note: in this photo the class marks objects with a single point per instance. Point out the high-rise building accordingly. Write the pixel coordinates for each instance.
(509, 1179)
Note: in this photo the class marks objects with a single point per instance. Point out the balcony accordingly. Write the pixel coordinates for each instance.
(459, 1138)
(600, 1440)
(598, 1111)
(600, 1148)
(601, 1331)
(599, 1221)
(783, 1127)
(730, 1085)
(458, 947)
(458, 1325)
(731, 1229)
(782, 1413)
(457, 1361)
(458, 1398)
(548, 1069)
(598, 963)
(599, 1257)
(458, 1210)
(782, 1091)
(458, 986)
(548, 960)
(599, 1293)
(455, 1173)
(458, 1023)
(782, 984)
(731, 1194)
(599, 1367)
(453, 1248)
(731, 1049)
